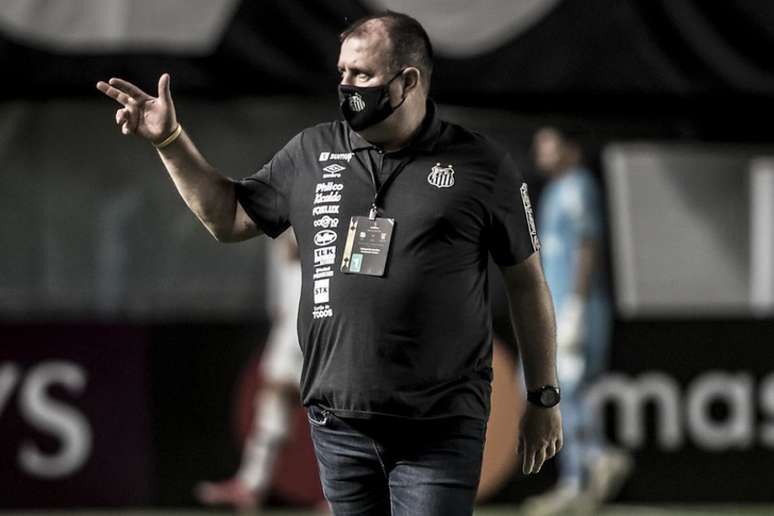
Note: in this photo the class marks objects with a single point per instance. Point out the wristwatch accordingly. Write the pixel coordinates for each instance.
(546, 397)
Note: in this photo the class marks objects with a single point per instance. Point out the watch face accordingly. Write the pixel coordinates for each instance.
(549, 397)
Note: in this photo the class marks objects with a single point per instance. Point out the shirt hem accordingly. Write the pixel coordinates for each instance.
(367, 414)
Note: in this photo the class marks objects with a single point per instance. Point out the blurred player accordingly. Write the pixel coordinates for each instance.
(278, 397)
(570, 224)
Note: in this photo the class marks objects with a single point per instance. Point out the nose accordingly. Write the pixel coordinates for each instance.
(347, 79)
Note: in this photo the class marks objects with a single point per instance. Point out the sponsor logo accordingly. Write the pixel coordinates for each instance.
(655, 408)
(334, 168)
(441, 177)
(321, 198)
(326, 222)
(530, 218)
(325, 255)
(326, 156)
(330, 186)
(325, 237)
(322, 210)
(322, 311)
(356, 103)
(321, 291)
(323, 272)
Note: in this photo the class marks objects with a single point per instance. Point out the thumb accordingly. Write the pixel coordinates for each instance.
(164, 93)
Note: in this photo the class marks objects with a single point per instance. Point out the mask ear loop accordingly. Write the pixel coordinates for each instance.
(404, 96)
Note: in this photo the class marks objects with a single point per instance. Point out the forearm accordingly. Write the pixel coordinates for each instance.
(210, 196)
(532, 317)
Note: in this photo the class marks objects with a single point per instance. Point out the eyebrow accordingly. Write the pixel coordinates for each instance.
(356, 70)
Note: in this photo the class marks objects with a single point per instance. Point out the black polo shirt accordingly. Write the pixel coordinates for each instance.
(416, 342)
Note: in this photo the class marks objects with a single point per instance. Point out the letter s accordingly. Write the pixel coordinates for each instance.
(48, 415)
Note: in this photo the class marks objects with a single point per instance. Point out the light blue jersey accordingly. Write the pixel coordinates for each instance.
(570, 211)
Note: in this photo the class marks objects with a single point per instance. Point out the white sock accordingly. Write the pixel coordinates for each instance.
(270, 428)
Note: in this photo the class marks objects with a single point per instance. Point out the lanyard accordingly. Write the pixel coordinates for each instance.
(379, 192)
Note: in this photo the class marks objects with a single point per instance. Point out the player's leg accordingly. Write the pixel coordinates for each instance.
(273, 408)
(437, 467)
(351, 470)
(608, 467)
(274, 403)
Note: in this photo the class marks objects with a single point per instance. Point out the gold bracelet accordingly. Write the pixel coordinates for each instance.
(171, 138)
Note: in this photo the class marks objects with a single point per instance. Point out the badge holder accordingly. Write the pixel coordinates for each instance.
(368, 244)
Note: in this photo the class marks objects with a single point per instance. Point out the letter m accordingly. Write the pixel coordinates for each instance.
(631, 396)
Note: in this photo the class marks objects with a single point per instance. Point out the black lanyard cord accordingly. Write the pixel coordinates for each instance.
(379, 191)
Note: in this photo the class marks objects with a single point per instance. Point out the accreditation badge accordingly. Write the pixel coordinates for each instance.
(368, 245)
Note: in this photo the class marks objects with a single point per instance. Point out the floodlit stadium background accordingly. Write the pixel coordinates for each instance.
(129, 338)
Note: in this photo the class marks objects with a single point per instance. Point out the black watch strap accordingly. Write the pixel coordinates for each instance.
(546, 397)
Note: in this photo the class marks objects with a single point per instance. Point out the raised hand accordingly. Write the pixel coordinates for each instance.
(151, 118)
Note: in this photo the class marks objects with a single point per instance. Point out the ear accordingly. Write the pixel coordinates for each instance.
(411, 79)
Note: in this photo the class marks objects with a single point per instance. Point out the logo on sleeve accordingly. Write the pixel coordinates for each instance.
(530, 218)
(441, 177)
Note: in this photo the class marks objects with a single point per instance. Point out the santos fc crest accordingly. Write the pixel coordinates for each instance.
(442, 177)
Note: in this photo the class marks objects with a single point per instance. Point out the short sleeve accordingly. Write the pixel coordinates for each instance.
(265, 196)
(512, 236)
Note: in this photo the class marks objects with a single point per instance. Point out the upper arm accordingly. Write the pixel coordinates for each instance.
(244, 227)
(512, 234)
(523, 276)
(263, 199)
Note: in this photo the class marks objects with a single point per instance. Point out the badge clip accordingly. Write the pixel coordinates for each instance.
(373, 213)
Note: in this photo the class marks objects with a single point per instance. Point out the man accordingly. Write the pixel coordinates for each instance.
(395, 212)
(571, 227)
(277, 397)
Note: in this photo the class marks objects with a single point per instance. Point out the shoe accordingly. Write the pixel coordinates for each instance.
(232, 492)
(560, 500)
(608, 473)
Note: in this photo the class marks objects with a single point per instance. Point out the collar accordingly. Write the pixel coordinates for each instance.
(425, 141)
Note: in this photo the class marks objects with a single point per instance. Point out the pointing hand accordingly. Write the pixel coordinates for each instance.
(151, 118)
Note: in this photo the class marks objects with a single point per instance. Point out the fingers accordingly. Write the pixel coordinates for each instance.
(122, 117)
(115, 93)
(540, 459)
(127, 119)
(550, 450)
(528, 459)
(128, 88)
(533, 458)
(164, 92)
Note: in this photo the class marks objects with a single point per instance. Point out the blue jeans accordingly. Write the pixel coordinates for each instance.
(398, 467)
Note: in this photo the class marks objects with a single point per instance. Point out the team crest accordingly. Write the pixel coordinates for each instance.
(356, 103)
(441, 177)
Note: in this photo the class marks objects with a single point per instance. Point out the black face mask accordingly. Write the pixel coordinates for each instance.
(363, 106)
